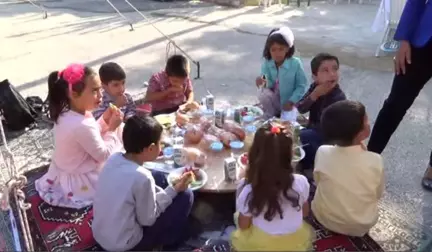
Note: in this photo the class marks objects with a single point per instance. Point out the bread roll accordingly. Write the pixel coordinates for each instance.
(235, 128)
(193, 134)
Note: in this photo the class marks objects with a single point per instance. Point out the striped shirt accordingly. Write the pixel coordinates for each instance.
(128, 110)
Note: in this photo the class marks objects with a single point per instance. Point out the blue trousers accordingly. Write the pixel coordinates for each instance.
(170, 228)
(312, 140)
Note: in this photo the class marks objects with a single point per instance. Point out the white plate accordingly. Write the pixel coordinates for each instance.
(302, 155)
(179, 171)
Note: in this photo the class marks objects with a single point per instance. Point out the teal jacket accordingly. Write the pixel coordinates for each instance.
(292, 78)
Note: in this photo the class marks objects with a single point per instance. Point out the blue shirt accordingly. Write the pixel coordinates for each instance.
(292, 78)
(415, 24)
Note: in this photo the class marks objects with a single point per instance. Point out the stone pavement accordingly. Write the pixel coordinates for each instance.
(227, 43)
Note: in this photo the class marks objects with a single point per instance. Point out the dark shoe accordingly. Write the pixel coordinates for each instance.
(426, 181)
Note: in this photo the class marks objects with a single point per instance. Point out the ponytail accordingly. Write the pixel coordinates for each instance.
(58, 99)
(58, 92)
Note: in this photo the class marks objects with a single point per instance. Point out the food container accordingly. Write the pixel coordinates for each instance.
(250, 134)
(220, 118)
(216, 146)
(230, 169)
(248, 119)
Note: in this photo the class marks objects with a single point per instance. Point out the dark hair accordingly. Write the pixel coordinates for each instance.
(278, 39)
(319, 59)
(342, 121)
(177, 66)
(111, 71)
(58, 92)
(270, 172)
(140, 132)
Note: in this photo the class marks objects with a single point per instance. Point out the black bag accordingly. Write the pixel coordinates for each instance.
(37, 104)
(17, 113)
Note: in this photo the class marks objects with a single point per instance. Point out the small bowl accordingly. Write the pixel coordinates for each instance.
(216, 146)
(248, 119)
(236, 145)
(251, 128)
(168, 151)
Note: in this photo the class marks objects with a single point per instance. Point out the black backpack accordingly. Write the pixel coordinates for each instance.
(17, 113)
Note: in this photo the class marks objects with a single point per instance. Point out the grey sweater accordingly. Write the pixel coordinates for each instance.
(126, 199)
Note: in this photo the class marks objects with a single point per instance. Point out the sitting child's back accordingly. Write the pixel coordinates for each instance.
(134, 210)
(350, 179)
(293, 218)
(272, 201)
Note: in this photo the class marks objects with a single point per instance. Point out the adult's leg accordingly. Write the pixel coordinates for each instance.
(171, 226)
(404, 90)
(312, 140)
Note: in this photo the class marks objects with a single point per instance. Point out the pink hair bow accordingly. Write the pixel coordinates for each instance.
(72, 74)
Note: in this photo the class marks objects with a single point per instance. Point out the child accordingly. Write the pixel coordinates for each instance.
(81, 144)
(131, 210)
(323, 92)
(282, 76)
(171, 88)
(350, 179)
(273, 200)
(113, 82)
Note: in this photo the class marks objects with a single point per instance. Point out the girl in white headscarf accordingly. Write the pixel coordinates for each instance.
(282, 78)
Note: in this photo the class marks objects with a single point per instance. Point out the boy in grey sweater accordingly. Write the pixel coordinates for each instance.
(131, 210)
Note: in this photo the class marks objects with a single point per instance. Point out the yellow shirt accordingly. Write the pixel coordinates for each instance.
(350, 182)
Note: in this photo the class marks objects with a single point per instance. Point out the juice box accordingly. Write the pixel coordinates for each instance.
(238, 115)
(209, 102)
(178, 140)
(230, 169)
(178, 155)
(220, 118)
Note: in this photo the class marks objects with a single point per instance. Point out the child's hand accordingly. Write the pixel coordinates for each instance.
(288, 106)
(260, 81)
(175, 89)
(183, 182)
(323, 89)
(115, 120)
(121, 101)
(191, 105)
(107, 114)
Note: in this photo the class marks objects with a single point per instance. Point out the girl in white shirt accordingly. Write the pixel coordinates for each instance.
(272, 201)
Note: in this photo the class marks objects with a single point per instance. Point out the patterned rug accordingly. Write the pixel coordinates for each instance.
(63, 229)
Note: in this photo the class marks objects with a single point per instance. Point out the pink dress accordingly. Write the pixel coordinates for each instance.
(81, 146)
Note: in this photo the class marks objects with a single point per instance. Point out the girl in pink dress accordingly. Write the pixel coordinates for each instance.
(81, 144)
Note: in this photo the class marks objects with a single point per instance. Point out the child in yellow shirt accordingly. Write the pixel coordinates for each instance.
(350, 179)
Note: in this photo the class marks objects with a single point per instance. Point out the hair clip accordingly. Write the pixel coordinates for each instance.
(275, 130)
(72, 74)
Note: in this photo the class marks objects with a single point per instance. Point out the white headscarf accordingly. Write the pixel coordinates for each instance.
(286, 33)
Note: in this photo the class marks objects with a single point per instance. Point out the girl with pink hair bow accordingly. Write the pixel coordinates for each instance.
(81, 144)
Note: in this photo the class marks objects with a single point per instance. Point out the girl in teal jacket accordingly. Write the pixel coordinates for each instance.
(282, 79)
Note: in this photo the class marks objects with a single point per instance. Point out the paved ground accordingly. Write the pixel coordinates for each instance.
(227, 43)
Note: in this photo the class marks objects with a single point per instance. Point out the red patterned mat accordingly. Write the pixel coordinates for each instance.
(63, 229)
